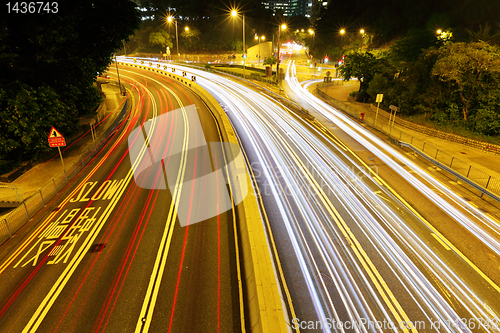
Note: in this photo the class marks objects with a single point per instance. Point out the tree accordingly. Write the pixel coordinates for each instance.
(49, 65)
(465, 66)
(191, 37)
(408, 48)
(270, 61)
(359, 64)
(161, 38)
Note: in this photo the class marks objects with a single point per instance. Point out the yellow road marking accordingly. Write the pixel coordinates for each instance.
(440, 241)
(148, 306)
(35, 234)
(429, 225)
(57, 288)
(271, 237)
(376, 278)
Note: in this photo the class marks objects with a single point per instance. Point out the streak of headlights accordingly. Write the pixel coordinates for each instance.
(459, 289)
(274, 136)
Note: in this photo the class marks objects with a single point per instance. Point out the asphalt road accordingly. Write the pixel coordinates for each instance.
(110, 253)
(348, 247)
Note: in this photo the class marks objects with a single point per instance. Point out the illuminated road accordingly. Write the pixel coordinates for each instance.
(111, 256)
(350, 248)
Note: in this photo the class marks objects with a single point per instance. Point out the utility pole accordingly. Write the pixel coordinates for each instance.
(176, 39)
(244, 53)
(118, 73)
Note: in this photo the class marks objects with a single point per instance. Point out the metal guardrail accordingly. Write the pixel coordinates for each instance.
(453, 172)
(381, 124)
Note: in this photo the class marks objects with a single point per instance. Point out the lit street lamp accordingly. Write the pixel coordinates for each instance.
(169, 20)
(311, 32)
(234, 13)
(342, 32)
(281, 27)
(260, 38)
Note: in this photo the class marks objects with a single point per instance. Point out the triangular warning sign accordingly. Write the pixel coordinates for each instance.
(54, 133)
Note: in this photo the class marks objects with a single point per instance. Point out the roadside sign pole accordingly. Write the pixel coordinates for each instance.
(62, 161)
(57, 140)
(379, 99)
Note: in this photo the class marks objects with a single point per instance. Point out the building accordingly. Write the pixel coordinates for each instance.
(308, 8)
(278, 5)
(315, 7)
(300, 7)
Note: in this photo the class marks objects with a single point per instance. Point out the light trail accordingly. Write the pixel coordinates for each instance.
(339, 225)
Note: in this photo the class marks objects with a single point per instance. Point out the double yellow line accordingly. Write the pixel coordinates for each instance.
(51, 216)
(147, 310)
(59, 285)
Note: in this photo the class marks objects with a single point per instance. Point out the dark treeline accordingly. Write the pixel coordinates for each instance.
(48, 66)
(439, 62)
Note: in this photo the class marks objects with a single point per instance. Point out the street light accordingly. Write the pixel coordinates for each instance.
(260, 38)
(186, 28)
(342, 32)
(234, 13)
(170, 19)
(311, 32)
(281, 27)
(362, 31)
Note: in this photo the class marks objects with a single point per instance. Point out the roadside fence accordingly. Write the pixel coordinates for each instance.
(383, 125)
(31, 205)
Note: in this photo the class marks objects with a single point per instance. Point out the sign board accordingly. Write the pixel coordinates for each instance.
(328, 73)
(56, 139)
(394, 108)
(379, 98)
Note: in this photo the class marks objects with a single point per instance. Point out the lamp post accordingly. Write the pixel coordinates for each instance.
(342, 32)
(283, 26)
(311, 32)
(186, 29)
(260, 38)
(234, 13)
(169, 20)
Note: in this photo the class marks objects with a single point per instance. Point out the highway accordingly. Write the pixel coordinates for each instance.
(357, 245)
(348, 248)
(116, 251)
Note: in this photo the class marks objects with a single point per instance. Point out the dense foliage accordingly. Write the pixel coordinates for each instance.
(455, 84)
(48, 66)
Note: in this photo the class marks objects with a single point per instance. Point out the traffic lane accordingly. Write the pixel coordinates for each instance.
(469, 275)
(305, 302)
(186, 96)
(36, 265)
(99, 282)
(226, 289)
(367, 245)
